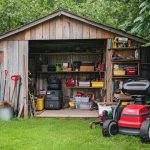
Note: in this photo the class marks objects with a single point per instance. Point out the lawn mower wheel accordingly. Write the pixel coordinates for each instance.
(110, 128)
(145, 131)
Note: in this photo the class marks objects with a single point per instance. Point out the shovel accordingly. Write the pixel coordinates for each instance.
(16, 111)
(15, 78)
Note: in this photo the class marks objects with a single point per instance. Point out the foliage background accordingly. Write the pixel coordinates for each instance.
(132, 16)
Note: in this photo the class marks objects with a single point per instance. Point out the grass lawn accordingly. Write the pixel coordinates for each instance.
(61, 134)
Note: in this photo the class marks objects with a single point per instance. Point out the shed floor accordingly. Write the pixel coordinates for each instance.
(64, 113)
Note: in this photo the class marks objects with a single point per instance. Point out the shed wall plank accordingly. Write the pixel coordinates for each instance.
(92, 32)
(86, 31)
(39, 32)
(27, 34)
(59, 25)
(98, 33)
(75, 29)
(46, 31)
(66, 28)
(33, 33)
(52, 29)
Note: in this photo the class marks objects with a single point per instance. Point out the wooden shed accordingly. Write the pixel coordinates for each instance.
(60, 37)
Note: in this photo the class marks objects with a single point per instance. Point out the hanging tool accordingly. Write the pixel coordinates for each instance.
(6, 73)
(15, 78)
(16, 111)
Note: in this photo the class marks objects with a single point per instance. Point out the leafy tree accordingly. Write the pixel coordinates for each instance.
(132, 16)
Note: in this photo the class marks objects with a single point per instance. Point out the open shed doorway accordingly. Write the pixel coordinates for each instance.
(62, 60)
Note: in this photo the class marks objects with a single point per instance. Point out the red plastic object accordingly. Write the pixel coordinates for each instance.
(70, 82)
(133, 115)
(131, 71)
(15, 78)
(79, 94)
(102, 67)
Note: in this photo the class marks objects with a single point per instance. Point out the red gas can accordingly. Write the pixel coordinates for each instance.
(133, 115)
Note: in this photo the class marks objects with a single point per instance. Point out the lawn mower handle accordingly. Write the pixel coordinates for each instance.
(119, 104)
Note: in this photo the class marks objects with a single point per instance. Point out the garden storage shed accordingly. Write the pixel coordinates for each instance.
(59, 37)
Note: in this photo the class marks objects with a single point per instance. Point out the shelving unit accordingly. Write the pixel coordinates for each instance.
(123, 58)
(70, 57)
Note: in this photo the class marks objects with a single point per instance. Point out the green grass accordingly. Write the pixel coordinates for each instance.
(61, 134)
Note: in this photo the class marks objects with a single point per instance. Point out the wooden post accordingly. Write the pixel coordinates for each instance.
(108, 74)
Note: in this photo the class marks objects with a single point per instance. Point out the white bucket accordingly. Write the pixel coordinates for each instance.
(6, 113)
(101, 108)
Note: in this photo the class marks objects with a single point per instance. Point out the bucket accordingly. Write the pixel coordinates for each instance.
(40, 104)
(6, 113)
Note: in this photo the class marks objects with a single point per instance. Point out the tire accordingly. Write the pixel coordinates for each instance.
(145, 131)
(110, 128)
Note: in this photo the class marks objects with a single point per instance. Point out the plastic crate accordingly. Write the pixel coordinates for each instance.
(97, 84)
(119, 72)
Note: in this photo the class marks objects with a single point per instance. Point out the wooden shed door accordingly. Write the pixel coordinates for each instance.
(16, 62)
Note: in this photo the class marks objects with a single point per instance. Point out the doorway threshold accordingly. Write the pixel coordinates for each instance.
(68, 113)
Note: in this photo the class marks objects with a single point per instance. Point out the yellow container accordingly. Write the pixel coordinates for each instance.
(97, 84)
(40, 104)
(119, 72)
(124, 103)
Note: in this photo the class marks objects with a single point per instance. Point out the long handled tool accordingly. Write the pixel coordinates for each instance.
(15, 78)
(6, 73)
(16, 111)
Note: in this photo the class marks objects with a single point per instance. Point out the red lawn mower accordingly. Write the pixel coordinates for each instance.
(134, 118)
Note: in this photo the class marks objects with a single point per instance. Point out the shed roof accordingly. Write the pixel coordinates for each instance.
(67, 13)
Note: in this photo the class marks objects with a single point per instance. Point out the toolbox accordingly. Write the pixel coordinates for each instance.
(97, 84)
(131, 71)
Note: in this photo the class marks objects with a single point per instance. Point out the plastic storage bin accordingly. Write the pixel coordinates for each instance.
(119, 72)
(83, 105)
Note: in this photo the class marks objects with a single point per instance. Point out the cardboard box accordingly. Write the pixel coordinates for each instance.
(86, 68)
(67, 69)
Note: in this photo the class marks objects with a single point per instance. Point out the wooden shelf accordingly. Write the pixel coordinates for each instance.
(54, 72)
(124, 48)
(83, 87)
(126, 61)
(126, 76)
(70, 53)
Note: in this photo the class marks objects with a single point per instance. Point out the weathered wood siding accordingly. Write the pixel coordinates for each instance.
(62, 28)
(14, 51)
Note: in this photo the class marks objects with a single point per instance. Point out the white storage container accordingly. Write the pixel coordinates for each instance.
(101, 108)
(79, 99)
(83, 105)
